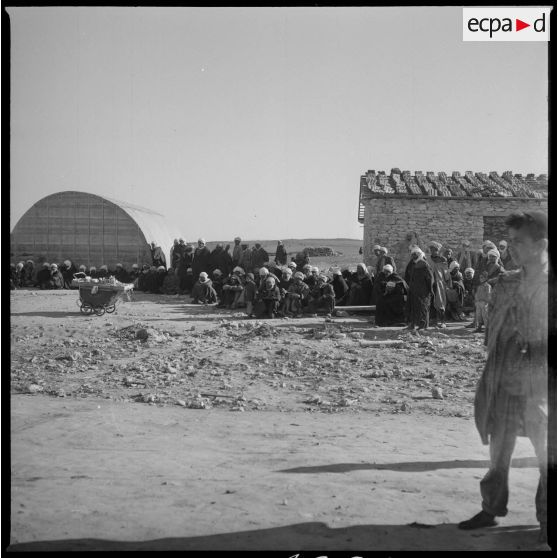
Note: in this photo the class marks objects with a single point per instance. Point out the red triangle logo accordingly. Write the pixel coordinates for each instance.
(519, 25)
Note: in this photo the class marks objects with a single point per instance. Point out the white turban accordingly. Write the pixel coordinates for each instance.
(388, 268)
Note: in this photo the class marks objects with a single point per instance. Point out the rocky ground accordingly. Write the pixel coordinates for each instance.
(160, 360)
(160, 350)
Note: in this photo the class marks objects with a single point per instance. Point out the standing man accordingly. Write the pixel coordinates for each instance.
(157, 256)
(505, 256)
(466, 257)
(201, 258)
(512, 394)
(280, 254)
(440, 270)
(237, 252)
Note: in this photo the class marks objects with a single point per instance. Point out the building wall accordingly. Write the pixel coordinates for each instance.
(397, 223)
(83, 228)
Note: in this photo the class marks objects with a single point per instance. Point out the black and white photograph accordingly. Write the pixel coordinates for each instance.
(281, 279)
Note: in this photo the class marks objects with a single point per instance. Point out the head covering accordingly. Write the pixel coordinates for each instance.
(270, 279)
(83, 267)
(299, 275)
(19, 265)
(48, 265)
(119, 265)
(237, 238)
(239, 270)
(263, 271)
(53, 266)
(383, 249)
(202, 240)
(161, 268)
(337, 272)
(493, 252)
(417, 250)
(488, 244)
(135, 266)
(453, 265)
(288, 271)
(67, 263)
(292, 265)
(388, 268)
(434, 244)
(104, 267)
(250, 276)
(503, 243)
(92, 268)
(376, 247)
(362, 268)
(323, 277)
(217, 272)
(203, 277)
(189, 270)
(315, 269)
(469, 270)
(306, 267)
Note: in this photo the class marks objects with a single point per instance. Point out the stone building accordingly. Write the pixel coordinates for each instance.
(402, 209)
(88, 229)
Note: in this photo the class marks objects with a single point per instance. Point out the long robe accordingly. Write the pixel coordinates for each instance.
(440, 271)
(201, 261)
(280, 255)
(341, 290)
(421, 286)
(390, 302)
(361, 291)
(517, 345)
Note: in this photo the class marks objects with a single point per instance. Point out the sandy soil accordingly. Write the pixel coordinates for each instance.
(218, 432)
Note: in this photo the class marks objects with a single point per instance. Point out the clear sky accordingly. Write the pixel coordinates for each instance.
(258, 122)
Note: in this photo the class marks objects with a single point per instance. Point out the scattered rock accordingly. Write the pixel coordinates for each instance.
(142, 334)
(437, 393)
(34, 388)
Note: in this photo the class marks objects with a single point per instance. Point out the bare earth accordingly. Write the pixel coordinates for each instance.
(222, 433)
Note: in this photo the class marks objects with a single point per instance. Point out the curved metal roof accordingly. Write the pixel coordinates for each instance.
(153, 225)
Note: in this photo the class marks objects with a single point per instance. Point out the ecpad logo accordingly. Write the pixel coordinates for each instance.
(506, 24)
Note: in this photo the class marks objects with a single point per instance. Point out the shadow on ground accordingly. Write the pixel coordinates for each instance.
(57, 314)
(312, 536)
(411, 466)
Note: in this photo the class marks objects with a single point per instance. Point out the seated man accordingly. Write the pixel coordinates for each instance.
(391, 298)
(56, 279)
(296, 297)
(203, 291)
(322, 297)
(218, 281)
(43, 277)
(120, 274)
(232, 290)
(267, 298)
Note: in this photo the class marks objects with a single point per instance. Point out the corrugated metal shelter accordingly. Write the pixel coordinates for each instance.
(89, 229)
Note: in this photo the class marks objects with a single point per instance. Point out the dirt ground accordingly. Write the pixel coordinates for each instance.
(170, 426)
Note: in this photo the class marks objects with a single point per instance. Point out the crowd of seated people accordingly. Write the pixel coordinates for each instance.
(432, 290)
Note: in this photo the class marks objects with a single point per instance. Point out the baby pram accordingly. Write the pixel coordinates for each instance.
(99, 298)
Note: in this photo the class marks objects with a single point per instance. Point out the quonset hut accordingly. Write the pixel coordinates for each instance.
(400, 209)
(89, 229)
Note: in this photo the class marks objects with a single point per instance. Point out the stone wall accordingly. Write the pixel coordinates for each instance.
(397, 223)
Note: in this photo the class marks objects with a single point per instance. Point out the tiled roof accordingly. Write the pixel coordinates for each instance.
(473, 185)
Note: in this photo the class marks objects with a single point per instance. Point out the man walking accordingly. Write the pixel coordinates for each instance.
(512, 394)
